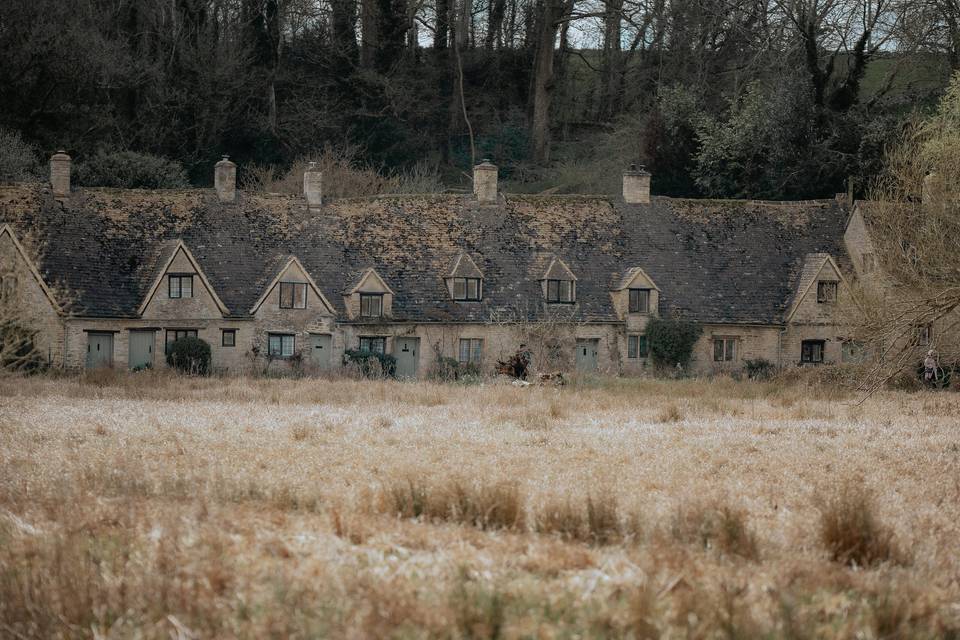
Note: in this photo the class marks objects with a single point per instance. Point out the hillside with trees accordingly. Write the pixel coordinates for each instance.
(742, 98)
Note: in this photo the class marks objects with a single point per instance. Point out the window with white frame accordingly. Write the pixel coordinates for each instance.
(281, 345)
(371, 305)
(725, 348)
(467, 289)
(471, 350)
(373, 344)
(180, 285)
(637, 346)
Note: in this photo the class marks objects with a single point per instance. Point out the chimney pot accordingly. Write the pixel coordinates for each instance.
(485, 182)
(636, 185)
(60, 174)
(225, 180)
(313, 185)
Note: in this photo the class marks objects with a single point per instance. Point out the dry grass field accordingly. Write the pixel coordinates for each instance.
(150, 506)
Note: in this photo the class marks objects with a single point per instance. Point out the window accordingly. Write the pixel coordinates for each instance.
(561, 291)
(869, 262)
(826, 292)
(371, 305)
(180, 285)
(468, 289)
(228, 338)
(639, 300)
(471, 350)
(280, 345)
(373, 345)
(293, 295)
(922, 335)
(725, 349)
(811, 351)
(175, 334)
(637, 347)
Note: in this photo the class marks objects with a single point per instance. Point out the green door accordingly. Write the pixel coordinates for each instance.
(141, 349)
(99, 350)
(587, 351)
(321, 351)
(406, 351)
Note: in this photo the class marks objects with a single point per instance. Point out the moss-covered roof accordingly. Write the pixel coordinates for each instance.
(717, 261)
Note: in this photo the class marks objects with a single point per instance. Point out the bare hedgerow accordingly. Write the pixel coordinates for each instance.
(851, 531)
(715, 526)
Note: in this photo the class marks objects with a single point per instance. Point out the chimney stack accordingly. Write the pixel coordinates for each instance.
(636, 185)
(313, 185)
(225, 180)
(60, 174)
(485, 182)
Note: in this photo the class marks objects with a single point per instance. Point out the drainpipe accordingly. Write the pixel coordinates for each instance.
(780, 348)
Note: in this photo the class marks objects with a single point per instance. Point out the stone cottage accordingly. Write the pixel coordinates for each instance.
(111, 277)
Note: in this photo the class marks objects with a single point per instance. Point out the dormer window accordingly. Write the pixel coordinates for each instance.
(293, 295)
(639, 300)
(560, 291)
(371, 305)
(180, 285)
(467, 289)
(826, 292)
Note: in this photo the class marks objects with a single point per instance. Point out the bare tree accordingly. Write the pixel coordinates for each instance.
(910, 305)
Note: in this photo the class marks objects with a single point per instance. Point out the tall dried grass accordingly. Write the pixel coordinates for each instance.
(137, 506)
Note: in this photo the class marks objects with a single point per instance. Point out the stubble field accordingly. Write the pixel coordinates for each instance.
(154, 506)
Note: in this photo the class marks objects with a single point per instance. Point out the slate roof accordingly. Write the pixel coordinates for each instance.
(714, 261)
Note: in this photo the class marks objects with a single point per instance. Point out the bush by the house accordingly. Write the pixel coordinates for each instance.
(130, 170)
(18, 159)
(671, 341)
(759, 369)
(371, 364)
(450, 370)
(189, 355)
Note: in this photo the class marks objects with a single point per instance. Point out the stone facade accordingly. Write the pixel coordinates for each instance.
(749, 273)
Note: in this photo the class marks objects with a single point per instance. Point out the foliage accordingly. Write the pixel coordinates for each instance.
(18, 352)
(345, 174)
(18, 159)
(371, 363)
(130, 170)
(450, 369)
(189, 355)
(270, 82)
(759, 368)
(671, 341)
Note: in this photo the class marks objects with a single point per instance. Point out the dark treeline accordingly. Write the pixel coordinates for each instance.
(733, 98)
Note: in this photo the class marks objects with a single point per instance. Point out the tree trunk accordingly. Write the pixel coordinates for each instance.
(611, 61)
(543, 81)
(497, 10)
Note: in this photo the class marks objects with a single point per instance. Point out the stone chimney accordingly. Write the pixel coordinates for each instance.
(313, 185)
(225, 180)
(60, 174)
(636, 185)
(485, 182)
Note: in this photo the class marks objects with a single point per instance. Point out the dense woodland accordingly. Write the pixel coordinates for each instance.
(719, 98)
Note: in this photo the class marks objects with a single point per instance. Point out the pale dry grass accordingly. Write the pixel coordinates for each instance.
(151, 506)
